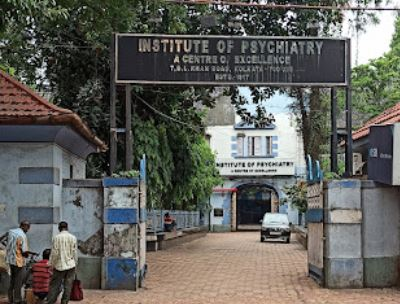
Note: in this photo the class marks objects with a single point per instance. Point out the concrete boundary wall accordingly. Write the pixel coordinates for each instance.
(381, 237)
(362, 234)
(105, 216)
(82, 208)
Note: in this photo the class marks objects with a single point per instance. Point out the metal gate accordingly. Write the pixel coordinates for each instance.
(315, 238)
(250, 212)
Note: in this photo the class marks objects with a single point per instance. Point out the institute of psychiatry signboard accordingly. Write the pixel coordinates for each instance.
(228, 60)
(255, 167)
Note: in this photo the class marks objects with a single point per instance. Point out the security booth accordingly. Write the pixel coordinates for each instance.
(43, 152)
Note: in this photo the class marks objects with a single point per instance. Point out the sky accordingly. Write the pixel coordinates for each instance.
(371, 44)
(375, 41)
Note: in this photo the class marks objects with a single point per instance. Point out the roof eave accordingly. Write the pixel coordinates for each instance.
(71, 119)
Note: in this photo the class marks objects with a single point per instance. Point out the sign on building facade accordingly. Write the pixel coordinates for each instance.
(255, 167)
(228, 60)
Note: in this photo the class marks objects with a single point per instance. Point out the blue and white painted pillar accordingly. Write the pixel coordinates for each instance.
(121, 226)
(142, 221)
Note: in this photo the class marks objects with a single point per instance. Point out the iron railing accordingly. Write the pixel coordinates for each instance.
(183, 219)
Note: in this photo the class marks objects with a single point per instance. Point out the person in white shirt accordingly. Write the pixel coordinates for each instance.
(63, 259)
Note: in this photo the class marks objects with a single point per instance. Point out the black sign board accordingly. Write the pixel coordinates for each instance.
(380, 154)
(228, 60)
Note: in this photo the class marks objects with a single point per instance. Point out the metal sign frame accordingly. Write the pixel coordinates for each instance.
(128, 132)
(243, 83)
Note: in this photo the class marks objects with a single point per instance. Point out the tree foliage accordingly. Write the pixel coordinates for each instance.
(62, 46)
(376, 85)
(311, 108)
(64, 49)
(18, 19)
(296, 194)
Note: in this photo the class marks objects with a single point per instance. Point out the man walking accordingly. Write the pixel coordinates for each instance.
(63, 259)
(16, 252)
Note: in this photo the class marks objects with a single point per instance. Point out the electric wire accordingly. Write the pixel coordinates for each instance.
(196, 129)
(283, 6)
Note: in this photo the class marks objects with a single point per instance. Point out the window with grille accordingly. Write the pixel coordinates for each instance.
(268, 145)
(254, 147)
(259, 146)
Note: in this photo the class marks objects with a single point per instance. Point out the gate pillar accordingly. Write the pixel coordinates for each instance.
(121, 219)
(233, 211)
(315, 226)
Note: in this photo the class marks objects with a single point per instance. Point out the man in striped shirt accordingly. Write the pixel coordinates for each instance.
(63, 259)
(16, 252)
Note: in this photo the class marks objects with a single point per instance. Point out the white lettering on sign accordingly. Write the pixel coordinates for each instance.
(203, 59)
(385, 156)
(259, 166)
(248, 46)
(155, 45)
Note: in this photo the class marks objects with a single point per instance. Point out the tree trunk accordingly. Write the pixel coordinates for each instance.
(316, 125)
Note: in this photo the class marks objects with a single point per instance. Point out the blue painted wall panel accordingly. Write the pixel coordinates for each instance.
(36, 215)
(143, 169)
(284, 208)
(263, 145)
(344, 184)
(226, 204)
(120, 273)
(120, 216)
(39, 175)
(275, 146)
(119, 182)
(143, 215)
(315, 215)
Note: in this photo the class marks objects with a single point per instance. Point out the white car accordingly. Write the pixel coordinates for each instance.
(275, 226)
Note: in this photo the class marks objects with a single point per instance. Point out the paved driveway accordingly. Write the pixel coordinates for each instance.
(235, 268)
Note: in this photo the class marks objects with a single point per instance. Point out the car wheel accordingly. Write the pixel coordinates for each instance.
(288, 240)
(262, 239)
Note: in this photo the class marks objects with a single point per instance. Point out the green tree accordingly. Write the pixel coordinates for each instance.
(311, 107)
(296, 194)
(376, 85)
(62, 46)
(18, 19)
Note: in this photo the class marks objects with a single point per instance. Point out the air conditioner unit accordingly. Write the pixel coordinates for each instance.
(357, 164)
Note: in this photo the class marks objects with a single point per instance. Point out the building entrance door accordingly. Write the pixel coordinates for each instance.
(253, 201)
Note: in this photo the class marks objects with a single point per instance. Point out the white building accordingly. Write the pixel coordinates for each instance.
(256, 164)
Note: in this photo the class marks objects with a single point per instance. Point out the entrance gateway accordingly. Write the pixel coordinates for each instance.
(226, 61)
(230, 60)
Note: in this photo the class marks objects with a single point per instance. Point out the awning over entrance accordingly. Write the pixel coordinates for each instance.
(223, 190)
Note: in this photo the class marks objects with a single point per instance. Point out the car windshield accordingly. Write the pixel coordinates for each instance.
(275, 218)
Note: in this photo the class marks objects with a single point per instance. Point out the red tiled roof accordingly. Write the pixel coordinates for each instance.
(389, 116)
(21, 105)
